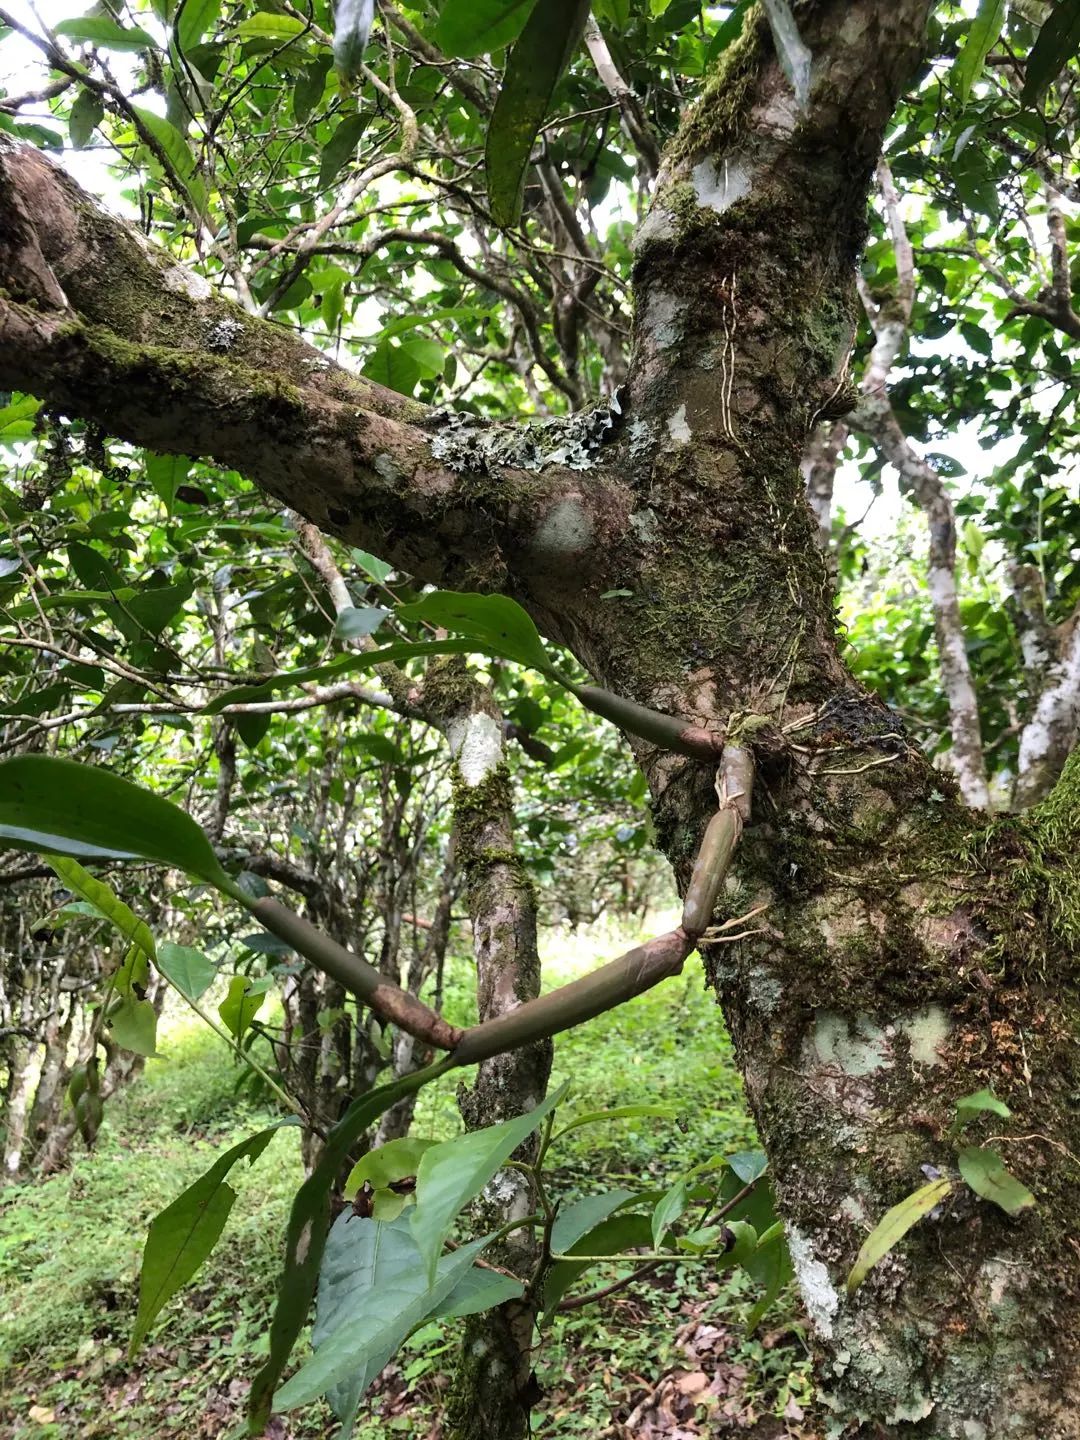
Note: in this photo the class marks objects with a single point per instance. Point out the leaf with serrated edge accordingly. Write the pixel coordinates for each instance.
(454, 1172)
(183, 1234)
(105, 900)
(305, 1237)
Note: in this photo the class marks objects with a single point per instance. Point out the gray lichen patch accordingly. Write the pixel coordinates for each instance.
(855, 1047)
(664, 319)
(565, 530)
(818, 1292)
(926, 1031)
(466, 444)
(719, 184)
(678, 427)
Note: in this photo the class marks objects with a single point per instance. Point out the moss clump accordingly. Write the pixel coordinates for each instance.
(717, 117)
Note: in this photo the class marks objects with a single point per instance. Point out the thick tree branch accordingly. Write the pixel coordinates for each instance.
(100, 324)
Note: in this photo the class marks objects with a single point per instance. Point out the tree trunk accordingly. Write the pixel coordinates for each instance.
(493, 1388)
(914, 954)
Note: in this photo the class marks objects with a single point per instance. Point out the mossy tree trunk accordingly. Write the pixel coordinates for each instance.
(493, 1387)
(914, 953)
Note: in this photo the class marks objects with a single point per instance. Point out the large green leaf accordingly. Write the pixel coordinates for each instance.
(894, 1225)
(184, 1233)
(981, 38)
(188, 969)
(978, 1103)
(584, 1215)
(305, 1236)
(667, 1210)
(81, 810)
(984, 1170)
(770, 1265)
(264, 25)
(496, 624)
(133, 1025)
(381, 1167)
(1058, 41)
(194, 20)
(476, 27)
(535, 67)
(105, 901)
(240, 1005)
(617, 1112)
(373, 1290)
(101, 30)
(612, 1236)
(453, 1173)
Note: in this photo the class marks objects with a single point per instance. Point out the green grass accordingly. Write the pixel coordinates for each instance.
(70, 1245)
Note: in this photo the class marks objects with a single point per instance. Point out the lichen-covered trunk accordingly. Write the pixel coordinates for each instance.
(493, 1388)
(913, 955)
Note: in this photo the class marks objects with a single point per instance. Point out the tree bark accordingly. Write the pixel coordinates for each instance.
(493, 1388)
(916, 954)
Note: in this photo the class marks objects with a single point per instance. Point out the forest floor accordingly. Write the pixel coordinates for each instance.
(669, 1357)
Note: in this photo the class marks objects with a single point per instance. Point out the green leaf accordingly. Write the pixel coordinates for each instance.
(477, 27)
(978, 1102)
(305, 1238)
(618, 1233)
(584, 1215)
(105, 901)
(100, 30)
(617, 1112)
(170, 139)
(1058, 41)
(340, 148)
(984, 1171)
(183, 1235)
(379, 570)
(393, 366)
(728, 31)
(535, 67)
(387, 1163)
(497, 624)
(133, 1025)
(453, 1173)
(360, 620)
(667, 1211)
(748, 1165)
(166, 474)
(154, 609)
(981, 39)
(240, 1005)
(195, 19)
(265, 26)
(744, 1244)
(189, 970)
(309, 88)
(770, 1265)
(372, 1291)
(893, 1226)
(83, 811)
(85, 115)
(477, 1290)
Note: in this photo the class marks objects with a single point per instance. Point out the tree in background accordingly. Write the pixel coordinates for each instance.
(906, 955)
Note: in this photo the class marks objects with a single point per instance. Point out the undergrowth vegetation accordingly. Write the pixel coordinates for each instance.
(673, 1343)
